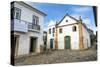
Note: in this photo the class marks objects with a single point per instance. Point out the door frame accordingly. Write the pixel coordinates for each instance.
(30, 43)
(17, 45)
(50, 43)
(65, 42)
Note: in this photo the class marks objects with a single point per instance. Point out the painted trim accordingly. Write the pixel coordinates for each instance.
(17, 45)
(65, 43)
(56, 38)
(81, 45)
(30, 44)
(14, 9)
(68, 16)
(68, 24)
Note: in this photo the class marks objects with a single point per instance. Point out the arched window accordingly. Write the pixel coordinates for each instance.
(49, 31)
(74, 28)
(60, 30)
(53, 30)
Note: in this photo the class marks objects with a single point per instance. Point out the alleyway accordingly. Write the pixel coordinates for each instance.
(59, 56)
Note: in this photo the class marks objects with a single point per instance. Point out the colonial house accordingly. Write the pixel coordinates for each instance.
(26, 29)
(69, 33)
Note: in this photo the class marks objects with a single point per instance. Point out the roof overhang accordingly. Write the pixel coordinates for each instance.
(30, 7)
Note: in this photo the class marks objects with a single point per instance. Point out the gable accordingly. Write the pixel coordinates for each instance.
(66, 20)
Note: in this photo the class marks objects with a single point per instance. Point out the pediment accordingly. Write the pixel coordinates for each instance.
(66, 20)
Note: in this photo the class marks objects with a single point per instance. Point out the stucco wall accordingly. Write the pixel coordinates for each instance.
(70, 21)
(24, 42)
(67, 31)
(50, 36)
(24, 38)
(86, 38)
(27, 14)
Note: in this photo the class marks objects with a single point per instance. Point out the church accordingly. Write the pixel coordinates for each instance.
(68, 33)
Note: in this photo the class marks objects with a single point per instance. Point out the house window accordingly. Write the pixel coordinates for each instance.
(60, 30)
(16, 13)
(74, 28)
(35, 20)
(49, 31)
(53, 34)
(53, 30)
(12, 13)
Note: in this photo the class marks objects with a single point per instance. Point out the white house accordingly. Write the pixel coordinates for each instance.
(69, 33)
(26, 28)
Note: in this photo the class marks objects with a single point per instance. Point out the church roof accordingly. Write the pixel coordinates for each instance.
(65, 16)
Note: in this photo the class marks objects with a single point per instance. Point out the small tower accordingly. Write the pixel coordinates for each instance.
(80, 19)
(81, 45)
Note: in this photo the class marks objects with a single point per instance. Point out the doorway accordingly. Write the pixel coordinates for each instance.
(67, 42)
(51, 43)
(16, 42)
(33, 43)
(14, 47)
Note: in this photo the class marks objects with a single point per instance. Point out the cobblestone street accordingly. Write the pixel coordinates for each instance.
(59, 56)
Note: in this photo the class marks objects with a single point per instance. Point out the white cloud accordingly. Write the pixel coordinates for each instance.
(45, 26)
(51, 23)
(87, 21)
(88, 24)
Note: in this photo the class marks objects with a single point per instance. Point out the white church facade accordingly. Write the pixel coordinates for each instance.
(69, 33)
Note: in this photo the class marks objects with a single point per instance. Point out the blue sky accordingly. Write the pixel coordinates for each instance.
(57, 11)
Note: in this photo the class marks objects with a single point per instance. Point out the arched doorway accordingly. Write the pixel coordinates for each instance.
(67, 42)
(51, 43)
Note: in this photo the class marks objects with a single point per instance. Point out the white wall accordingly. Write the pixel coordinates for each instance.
(70, 21)
(17, 25)
(67, 31)
(86, 38)
(24, 38)
(27, 14)
(50, 36)
(24, 42)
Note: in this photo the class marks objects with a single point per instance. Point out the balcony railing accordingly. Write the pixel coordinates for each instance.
(23, 26)
(33, 27)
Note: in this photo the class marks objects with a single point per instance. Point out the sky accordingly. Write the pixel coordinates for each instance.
(55, 12)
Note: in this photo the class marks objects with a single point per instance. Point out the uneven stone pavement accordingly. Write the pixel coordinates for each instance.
(59, 56)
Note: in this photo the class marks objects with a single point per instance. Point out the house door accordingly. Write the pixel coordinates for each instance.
(67, 42)
(33, 42)
(51, 43)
